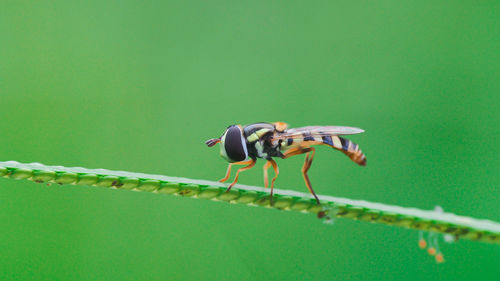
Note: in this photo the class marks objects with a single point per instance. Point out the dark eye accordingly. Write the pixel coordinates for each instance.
(235, 145)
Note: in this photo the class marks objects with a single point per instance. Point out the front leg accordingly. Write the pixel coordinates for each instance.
(228, 172)
(250, 165)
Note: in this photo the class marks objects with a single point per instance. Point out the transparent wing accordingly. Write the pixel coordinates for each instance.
(318, 131)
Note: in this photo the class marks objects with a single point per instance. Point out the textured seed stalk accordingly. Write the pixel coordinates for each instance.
(447, 223)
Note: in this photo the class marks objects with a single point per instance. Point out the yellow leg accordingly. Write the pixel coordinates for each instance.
(276, 173)
(266, 178)
(295, 151)
(228, 172)
(252, 163)
(305, 168)
(307, 164)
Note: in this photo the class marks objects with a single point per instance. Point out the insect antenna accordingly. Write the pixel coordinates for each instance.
(212, 142)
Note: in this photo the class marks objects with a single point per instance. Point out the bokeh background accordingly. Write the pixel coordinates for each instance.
(140, 85)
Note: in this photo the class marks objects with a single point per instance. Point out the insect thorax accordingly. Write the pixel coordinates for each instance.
(259, 141)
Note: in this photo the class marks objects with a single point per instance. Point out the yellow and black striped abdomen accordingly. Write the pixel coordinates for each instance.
(348, 147)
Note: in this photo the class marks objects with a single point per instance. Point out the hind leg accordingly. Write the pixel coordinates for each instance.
(305, 168)
(307, 164)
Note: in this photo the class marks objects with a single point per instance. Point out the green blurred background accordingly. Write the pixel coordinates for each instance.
(140, 85)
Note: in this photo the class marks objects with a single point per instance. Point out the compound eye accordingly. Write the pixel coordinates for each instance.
(235, 145)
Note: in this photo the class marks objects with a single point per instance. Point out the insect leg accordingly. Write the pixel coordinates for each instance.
(294, 151)
(252, 163)
(276, 173)
(228, 172)
(266, 178)
(307, 164)
(305, 168)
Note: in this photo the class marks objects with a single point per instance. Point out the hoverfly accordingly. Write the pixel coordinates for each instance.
(243, 145)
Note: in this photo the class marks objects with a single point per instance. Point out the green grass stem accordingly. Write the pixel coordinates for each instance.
(442, 222)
